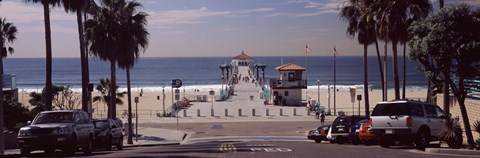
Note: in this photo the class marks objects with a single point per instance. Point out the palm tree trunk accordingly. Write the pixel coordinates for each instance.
(395, 71)
(404, 69)
(48, 44)
(381, 70)
(2, 137)
(441, 3)
(466, 123)
(112, 108)
(385, 76)
(365, 80)
(446, 93)
(130, 128)
(83, 58)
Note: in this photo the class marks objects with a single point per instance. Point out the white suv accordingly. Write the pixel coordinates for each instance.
(407, 122)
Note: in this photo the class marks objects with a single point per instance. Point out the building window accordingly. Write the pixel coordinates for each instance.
(291, 77)
(286, 93)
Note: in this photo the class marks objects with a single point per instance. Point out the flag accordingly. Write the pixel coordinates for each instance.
(308, 50)
(335, 53)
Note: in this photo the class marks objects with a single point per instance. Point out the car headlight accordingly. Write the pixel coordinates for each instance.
(24, 132)
(62, 130)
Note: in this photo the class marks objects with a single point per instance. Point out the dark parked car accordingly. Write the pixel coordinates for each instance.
(318, 134)
(67, 130)
(108, 132)
(341, 128)
(353, 136)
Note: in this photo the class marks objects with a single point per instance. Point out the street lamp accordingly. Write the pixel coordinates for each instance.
(136, 119)
(328, 99)
(318, 91)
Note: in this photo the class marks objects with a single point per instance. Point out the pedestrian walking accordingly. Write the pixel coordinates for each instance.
(322, 117)
(317, 112)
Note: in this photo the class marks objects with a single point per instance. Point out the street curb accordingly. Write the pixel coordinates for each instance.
(147, 145)
(453, 151)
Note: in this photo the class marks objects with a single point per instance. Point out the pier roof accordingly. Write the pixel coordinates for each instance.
(290, 67)
(242, 56)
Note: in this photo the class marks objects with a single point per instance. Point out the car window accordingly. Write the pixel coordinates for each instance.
(416, 109)
(102, 124)
(440, 112)
(391, 109)
(77, 116)
(57, 117)
(85, 116)
(430, 110)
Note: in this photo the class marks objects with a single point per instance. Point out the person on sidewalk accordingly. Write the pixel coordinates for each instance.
(322, 117)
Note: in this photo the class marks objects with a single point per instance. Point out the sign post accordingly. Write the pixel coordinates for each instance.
(352, 96)
(136, 118)
(359, 98)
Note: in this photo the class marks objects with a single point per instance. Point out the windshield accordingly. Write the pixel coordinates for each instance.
(101, 124)
(57, 117)
(391, 109)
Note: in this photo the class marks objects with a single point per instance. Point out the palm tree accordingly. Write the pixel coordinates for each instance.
(104, 88)
(395, 17)
(8, 34)
(80, 6)
(135, 40)
(102, 32)
(48, 43)
(360, 17)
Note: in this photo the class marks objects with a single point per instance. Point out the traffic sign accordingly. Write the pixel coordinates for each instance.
(176, 83)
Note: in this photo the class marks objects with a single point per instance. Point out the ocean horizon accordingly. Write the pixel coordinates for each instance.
(203, 73)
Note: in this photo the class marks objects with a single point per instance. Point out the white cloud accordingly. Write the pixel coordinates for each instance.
(248, 11)
(184, 16)
(314, 8)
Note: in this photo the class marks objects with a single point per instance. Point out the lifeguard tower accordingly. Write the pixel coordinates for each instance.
(287, 90)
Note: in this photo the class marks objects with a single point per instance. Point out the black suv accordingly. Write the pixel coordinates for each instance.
(67, 130)
(341, 128)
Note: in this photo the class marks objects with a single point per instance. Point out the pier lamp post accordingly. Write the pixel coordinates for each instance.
(163, 99)
(136, 119)
(328, 99)
(212, 93)
(318, 91)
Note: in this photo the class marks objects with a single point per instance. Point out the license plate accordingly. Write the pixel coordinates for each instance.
(388, 131)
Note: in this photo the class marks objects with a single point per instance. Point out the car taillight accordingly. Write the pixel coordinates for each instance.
(370, 121)
(409, 121)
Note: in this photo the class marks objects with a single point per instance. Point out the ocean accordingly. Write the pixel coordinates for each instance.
(149, 73)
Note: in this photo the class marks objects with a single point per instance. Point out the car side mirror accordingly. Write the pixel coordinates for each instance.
(78, 121)
(29, 123)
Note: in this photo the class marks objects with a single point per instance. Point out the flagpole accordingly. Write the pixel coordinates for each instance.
(334, 80)
(306, 72)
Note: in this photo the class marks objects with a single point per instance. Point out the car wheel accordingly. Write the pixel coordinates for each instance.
(120, 144)
(355, 141)
(385, 141)
(318, 141)
(49, 151)
(367, 142)
(108, 145)
(73, 147)
(423, 139)
(341, 140)
(89, 148)
(24, 151)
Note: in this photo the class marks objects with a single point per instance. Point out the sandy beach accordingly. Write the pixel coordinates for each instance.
(149, 104)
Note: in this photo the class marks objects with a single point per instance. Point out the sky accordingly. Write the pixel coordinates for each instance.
(205, 28)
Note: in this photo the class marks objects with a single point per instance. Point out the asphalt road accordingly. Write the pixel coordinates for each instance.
(269, 149)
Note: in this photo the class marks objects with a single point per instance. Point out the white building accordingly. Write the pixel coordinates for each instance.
(287, 89)
(242, 60)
